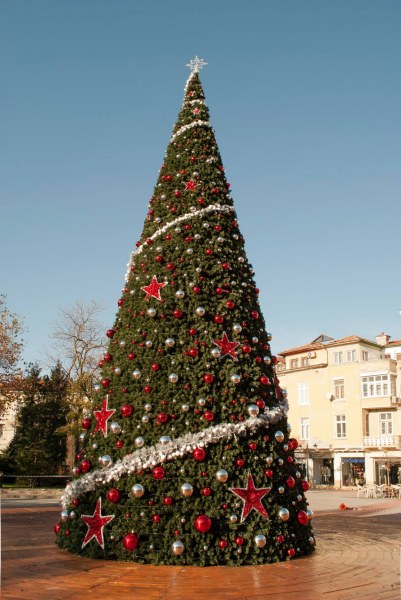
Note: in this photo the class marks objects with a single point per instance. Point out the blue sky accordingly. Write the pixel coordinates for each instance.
(305, 100)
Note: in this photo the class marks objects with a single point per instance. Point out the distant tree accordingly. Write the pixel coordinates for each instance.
(11, 345)
(79, 342)
(37, 448)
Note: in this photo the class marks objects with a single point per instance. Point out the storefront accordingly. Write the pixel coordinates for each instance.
(387, 471)
(352, 471)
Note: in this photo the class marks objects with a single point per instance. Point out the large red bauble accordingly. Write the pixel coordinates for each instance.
(114, 496)
(193, 352)
(155, 367)
(290, 481)
(75, 502)
(193, 331)
(291, 552)
(223, 543)
(130, 542)
(219, 290)
(225, 266)
(156, 518)
(230, 304)
(168, 501)
(86, 423)
(265, 380)
(199, 454)
(131, 356)
(86, 465)
(269, 473)
(280, 539)
(302, 517)
(206, 491)
(106, 382)
(108, 357)
(158, 473)
(305, 485)
(100, 364)
(209, 251)
(120, 302)
(203, 523)
(294, 443)
(159, 258)
(119, 444)
(218, 319)
(239, 541)
(196, 289)
(177, 313)
(255, 314)
(57, 528)
(209, 415)
(208, 378)
(162, 418)
(170, 266)
(126, 410)
(110, 333)
(147, 389)
(240, 462)
(253, 446)
(67, 532)
(260, 403)
(246, 348)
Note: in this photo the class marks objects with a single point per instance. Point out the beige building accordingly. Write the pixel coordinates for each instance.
(345, 408)
(7, 425)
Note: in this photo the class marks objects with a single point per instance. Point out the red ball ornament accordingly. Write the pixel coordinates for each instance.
(119, 444)
(155, 367)
(193, 331)
(223, 543)
(246, 348)
(206, 491)
(67, 532)
(170, 266)
(290, 459)
(239, 541)
(110, 333)
(114, 496)
(209, 251)
(130, 542)
(147, 389)
(57, 528)
(106, 382)
(255, 314)
(196, 289)
(264, 380)
(302, 517)
(208, 378)
(86, 423)
(230, 304)
(240, 462)
(126, 410)
(158, 473)
(199, 454)
(269, 473)
(218, 319)
(294, 443)
(305, 485)
(177, 313)
(86, 465)
(291, 552)
(162, 418)
(193, 352)
(225, 266)
(108, 357)
(159, 258)
(100, 364)
(219, 291)
(260, 403)
(131, 356)
(280, 539)
(168, 501)
(203, 523)
(75, 502)
(290, 482)
(120, 302)
(209, 415)
(156, 518)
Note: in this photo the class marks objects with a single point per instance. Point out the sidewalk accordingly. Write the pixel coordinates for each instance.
(358, 556)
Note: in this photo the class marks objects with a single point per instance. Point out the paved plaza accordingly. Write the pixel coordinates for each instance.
(357, 556)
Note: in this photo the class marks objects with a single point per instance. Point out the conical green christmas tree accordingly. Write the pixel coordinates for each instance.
(186, 456)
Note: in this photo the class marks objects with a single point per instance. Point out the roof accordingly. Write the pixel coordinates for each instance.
(351, 339)
(394, 343)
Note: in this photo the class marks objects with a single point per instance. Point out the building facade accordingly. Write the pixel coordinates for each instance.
(345, 408)
(7, 425)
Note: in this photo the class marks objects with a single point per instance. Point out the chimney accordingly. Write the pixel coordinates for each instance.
(383, 339)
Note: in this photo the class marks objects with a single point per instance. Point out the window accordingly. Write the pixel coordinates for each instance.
(338, 358)
(303, 393)
(374, 386)
(340, 426)
(339, 389)
(305, 361)
(305, 428)
(385, 423)
(351, 355)
(294, 363)
(365, 355)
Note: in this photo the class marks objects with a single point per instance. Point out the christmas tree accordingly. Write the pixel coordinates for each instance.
(186, 456)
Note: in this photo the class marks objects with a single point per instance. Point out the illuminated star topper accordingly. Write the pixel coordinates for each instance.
(196, 64)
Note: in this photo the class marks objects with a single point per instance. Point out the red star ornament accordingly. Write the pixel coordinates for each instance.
(190, 185)
(95, 524)
(102, 416)
(153, 289)
(227, 348)
(251, 497)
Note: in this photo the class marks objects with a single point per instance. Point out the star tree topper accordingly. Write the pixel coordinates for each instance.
(251, 497)
(196, 64)
(102, 416)
(227, 348)
(95, 524)
(153, 289)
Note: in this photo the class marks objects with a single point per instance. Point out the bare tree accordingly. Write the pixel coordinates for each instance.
(79, 342)
(11, 345)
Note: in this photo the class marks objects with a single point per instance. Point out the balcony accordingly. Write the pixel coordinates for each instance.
(380, 402)
(383, 441)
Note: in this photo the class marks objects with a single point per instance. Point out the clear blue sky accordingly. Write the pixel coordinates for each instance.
(305, 99)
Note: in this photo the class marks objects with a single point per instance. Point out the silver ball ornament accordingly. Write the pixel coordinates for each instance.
(138, 490)
(284, 514)
(169, 342)
(139, 442)
(115, 427)
(173, 378)
(215, 352)
(145, 419)
(237, 328)
(235, 378)
(151, 312)
(180, 294)
(64, 515)
(233, 518)
(187, 490)
(279, 435)
(178, 548)
(117, 371)
(136, 374)
(267, 360)
(165, 440)
(253, 410)
(200, 311)
(260, 540)
(148, 407)
(185, 407)
(222, 475)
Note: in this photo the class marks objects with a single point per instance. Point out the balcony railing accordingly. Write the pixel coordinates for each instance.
(383, 441)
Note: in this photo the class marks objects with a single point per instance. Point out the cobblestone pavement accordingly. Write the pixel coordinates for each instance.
(357, 556)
